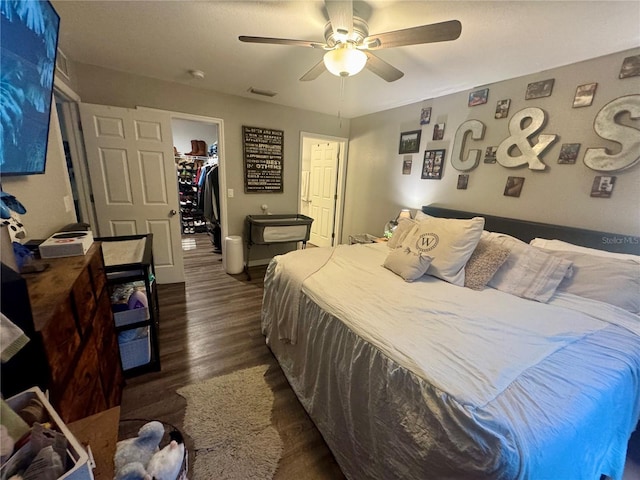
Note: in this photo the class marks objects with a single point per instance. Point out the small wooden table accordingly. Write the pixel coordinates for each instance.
(100, 432)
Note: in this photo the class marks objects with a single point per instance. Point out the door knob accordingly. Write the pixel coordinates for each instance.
(172, 213)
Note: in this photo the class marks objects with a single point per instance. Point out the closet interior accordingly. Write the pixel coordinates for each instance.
(196, 158)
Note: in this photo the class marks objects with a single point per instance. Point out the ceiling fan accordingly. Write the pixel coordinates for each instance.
(349, 46)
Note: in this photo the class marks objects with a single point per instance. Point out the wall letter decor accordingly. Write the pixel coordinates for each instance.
(520, 138)
(476, 128)
(605, 126)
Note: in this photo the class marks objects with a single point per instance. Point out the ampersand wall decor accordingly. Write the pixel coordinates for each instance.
(530, 154)
(605, 125)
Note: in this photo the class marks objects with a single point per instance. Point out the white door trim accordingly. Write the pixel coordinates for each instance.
(342, 174)
(71, 119)
(222, 178)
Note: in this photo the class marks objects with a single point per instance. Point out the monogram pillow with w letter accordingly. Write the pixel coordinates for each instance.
(450, 242)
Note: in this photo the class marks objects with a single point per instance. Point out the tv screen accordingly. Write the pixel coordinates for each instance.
(28, 46)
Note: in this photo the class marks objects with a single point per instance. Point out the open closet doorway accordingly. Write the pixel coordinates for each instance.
(196, 144)
(322, 184)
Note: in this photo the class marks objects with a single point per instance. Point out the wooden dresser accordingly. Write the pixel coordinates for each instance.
(72, 311)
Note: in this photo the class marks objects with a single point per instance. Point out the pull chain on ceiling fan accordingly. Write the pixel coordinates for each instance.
(349, 46)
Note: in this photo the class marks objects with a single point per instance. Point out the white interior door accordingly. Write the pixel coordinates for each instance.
(133, 177)
(323, 178)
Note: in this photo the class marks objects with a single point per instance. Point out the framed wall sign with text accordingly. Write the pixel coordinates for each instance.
(262, 151)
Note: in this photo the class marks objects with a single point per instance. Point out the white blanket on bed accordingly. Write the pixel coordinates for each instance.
(470, 344)
(457, 332)
(287, 273)
(427, 377)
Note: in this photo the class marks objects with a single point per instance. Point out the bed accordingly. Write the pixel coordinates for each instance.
(432, 379)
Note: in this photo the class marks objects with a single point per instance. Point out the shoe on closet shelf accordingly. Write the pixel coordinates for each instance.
(194, 148)
(202, 148)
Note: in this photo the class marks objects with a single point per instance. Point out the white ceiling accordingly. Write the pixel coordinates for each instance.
(499, 40)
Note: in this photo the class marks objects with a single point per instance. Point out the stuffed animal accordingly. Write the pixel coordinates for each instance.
(166, 464)
(133, 471)
(139, 449)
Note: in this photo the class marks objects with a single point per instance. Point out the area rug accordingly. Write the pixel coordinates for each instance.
(229, 420)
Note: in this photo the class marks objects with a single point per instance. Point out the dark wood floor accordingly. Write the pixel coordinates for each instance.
(210, 326)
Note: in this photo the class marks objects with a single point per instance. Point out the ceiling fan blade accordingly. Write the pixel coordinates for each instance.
(382, 69)
(436, 32)
(281, 41)
(315, 72)
(340, 15)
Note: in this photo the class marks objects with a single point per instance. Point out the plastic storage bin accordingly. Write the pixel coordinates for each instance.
(137, 351)
(78, 465)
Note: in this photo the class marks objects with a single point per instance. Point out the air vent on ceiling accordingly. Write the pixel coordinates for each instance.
(264, 93)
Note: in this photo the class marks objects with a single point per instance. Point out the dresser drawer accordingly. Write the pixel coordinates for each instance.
(84, 300)
(98, 275)
(83, 394)
(106, 343)
(61, 341)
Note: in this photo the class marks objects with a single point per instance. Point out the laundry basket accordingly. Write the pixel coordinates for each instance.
(128, 428)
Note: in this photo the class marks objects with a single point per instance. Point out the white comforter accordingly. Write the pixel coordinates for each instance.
(431, 380)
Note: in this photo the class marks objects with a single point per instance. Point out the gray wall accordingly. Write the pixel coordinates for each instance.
(560, 194)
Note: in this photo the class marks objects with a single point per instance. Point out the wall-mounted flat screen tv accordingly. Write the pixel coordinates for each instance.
(28, 46)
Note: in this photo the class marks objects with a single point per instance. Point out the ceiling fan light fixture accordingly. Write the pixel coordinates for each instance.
(345, 60)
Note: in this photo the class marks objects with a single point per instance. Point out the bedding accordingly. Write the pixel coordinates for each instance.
(427, 379)
(449, 241)
(610, 280)
(483, 264)
(528, 272)
(559, 245)
(408, 264)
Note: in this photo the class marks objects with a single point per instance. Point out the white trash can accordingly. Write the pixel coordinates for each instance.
(233, 258)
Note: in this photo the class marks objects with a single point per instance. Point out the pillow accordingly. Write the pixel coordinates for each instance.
(450, 242)
(484, 262)
(406, 263)
(609, 280)
(402, 230)
(559, 245)
(528, 271)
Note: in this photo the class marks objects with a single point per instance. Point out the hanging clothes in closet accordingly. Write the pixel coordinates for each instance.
(209, 199)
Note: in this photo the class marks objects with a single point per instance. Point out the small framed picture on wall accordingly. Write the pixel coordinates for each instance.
(410, 142)
(513, 187)
(433, 164)
(569, 153)
(502, 108)
(603, 186)
(490, 154)
(479, 97)
(406, 166)
(584, 95)
(463, 181)
(438, 131)
(425, 116)
(539, 89)
(630, 67)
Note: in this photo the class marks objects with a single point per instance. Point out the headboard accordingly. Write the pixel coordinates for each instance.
(527, 231)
